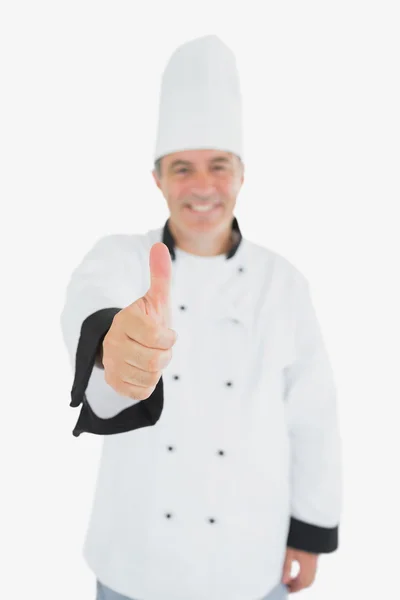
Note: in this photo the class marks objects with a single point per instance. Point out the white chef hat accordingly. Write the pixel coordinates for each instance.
(200, 101)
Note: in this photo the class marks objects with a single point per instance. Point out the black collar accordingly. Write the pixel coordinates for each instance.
(169, 240)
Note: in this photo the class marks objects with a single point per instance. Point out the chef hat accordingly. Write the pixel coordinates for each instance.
(200, 101)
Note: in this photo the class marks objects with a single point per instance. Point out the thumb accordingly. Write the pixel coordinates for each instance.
(160, 280)
(287, 569)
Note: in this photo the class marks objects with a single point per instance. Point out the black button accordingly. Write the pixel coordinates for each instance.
(176, 377)
(168, 515)
(221, 452)
(236, 321)
(229, 383)
(211, 520)
(182, 307)
(170, 448)
(241, 269)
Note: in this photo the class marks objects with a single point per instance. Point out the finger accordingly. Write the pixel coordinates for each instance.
(134, 392)
(151, 360)
(160, 279)
(303, 579)
(287, 569)
(140, 327)
(296, 584)
(124, 377)
(159, 338)
(138, 377)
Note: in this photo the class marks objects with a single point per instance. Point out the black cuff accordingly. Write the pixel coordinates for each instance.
(93, 331)
(311, 538)
(143, 414)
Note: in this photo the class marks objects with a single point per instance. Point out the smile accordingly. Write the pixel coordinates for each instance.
(203, 208)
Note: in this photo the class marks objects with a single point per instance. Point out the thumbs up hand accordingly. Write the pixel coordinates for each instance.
(157, 300)
(139, 343)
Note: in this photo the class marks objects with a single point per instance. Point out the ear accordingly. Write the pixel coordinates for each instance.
(158, 183)
(242, 177)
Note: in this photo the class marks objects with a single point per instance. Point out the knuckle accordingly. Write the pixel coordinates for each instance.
(139, 394)
(133, 395)
(173, 339)
(168, 355)
(149, 391)
(161, 359)
(106, 341)
(109, 344)
(139, 378)
(153, 335)
(166, 339)
(154, 362)
(118, 318)
(153, 380)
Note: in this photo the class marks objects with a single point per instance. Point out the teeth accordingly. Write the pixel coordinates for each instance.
(202, 207)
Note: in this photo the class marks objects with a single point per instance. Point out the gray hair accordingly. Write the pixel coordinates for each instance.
(157, 167)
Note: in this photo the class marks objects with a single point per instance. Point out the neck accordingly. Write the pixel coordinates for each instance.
(202, 244)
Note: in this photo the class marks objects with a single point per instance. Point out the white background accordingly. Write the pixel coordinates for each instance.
(79, 93)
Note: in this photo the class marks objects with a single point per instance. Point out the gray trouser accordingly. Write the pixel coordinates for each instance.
(104, 593)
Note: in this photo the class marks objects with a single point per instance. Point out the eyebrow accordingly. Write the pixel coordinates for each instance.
(187, 163)
(178, 163)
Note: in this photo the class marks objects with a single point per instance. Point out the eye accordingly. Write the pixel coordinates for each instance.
(182, 170)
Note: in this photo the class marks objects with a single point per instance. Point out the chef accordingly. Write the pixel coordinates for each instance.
(224, 474)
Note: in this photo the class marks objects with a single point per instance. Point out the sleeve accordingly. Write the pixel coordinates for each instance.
(98, 289)
(316, 458)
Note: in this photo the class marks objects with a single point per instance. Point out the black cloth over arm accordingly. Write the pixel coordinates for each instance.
(312, 538)
(142, 414)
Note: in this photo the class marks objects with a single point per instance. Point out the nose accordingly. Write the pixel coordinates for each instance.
(203, 186)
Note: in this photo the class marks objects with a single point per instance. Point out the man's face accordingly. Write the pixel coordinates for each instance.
(196, 179)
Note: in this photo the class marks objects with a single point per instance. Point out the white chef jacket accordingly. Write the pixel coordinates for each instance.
(237, 454)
